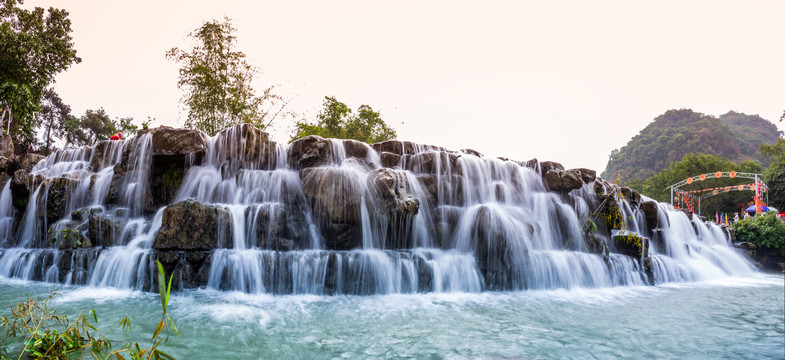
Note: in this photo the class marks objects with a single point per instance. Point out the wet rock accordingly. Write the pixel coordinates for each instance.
(191, 269)
(334, 193)
(342, 236)
(552, 180)
(390, 159)
(104, 154)
(571, 180)
(632, 196)
(279, 228)
(393, 191)
(563, 180)
(173, 141)
(546, 166)
(245, 146)
(587, 175)
(356, 149)
(105, 229)
(310, 151)
(28, 161)
(472, 152)
(58, 190)
(192, 226)
(21, 185)
(6, 146)
(432, 162)
(394, 146)
(650, 211)
(631, 244)
(6, 165)
(72, 239)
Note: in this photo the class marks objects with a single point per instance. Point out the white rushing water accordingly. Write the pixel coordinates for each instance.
(480, 223)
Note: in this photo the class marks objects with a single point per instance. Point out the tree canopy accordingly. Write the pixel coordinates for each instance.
(656, 186)
(34, 47)
(216, 81)
(775, 174)
(336, 120)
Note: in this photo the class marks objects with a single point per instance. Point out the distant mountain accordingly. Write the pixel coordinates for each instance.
(675, 133)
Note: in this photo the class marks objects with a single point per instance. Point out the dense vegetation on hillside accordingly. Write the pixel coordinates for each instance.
(676, 133)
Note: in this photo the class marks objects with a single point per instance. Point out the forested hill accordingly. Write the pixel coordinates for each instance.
(675, 133)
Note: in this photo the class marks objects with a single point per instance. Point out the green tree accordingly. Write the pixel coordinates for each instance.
(216, 81)
(53, 117)
(95, 125)
(762, 230)
(336, 120)
(34, 47)
(74, 134)
(690, 165)
(774, 177)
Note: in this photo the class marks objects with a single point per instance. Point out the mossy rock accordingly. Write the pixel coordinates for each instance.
(631, 245)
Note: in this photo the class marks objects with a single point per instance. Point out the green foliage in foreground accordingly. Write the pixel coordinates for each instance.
(764, 230)
(44, 334)
(336, 120)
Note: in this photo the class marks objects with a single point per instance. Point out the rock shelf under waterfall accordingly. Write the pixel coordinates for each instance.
(325, 216)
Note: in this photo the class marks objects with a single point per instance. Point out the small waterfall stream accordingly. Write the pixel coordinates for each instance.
(326, 216)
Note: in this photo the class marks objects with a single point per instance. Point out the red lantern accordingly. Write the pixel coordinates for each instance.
(718, 174)
(689, 181)
(702, 177)
(732, 174)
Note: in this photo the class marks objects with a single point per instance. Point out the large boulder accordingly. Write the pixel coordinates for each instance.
(6, 146)
(393, 192)
(58, 190)
(563, 180)
(587, 175)
(310, 151)
(334, 193)
(279, 227)
(174, 151)
(631, 244)
(650, 211)
(193, 226)
(546, 166)
(106, 153)
(105, 229)
(28, 161)
(433, 162)
(632, 195)
(244, 146)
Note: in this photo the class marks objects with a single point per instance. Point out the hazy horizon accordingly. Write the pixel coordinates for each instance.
(566, 82)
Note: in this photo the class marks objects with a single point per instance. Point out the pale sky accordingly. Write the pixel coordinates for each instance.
(567, 81)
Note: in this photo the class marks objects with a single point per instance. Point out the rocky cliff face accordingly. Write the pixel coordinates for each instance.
(238, 211)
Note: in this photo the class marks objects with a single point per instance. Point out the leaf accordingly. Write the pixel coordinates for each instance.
(161, 285)
(158, 330)
(117, 356)
(171, 324)
(95, 315)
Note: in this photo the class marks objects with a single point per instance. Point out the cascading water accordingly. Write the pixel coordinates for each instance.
(323, 216)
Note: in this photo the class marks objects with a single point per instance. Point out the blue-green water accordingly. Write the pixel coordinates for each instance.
(732, 318)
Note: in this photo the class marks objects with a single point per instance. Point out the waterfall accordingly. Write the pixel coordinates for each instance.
(237, 212)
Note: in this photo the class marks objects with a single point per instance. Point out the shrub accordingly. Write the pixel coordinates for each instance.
(764, 230)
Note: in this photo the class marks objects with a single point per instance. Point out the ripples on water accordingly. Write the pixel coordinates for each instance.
(733, 318)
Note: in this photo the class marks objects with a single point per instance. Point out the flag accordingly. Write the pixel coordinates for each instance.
(716, 217)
